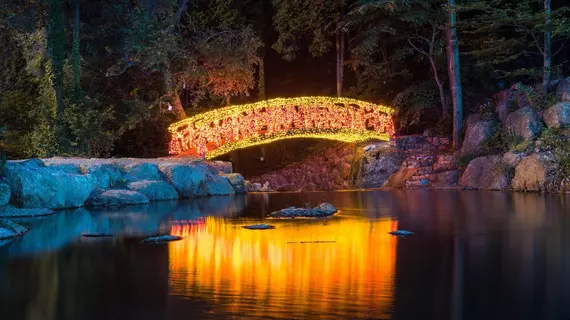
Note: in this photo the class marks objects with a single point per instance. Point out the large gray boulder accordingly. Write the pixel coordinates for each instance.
(487, 173)
(377, 167)
(107, 174)
(188, 179)
(154, 190)
(563, 90)
(558, 116)
(237, 181)
(34, 185)
(143, 171)
(537, 172)
(217, 186)
(112, 198)
(476, 136)
(5, 193)
(524, 122)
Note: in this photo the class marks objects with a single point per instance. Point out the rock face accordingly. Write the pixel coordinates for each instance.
(323, 210)
(5, 193)
(107, 175)
(217, 186)
(237, 181)
(187, 179)
(112, 198)
(154, 190)
(563, 90)
(143, 171)
(34, 185)
(487, 173)
(476, 136)
(537, 172)
(524, 123)
(377, 167)
(513, 158)
(558, 116)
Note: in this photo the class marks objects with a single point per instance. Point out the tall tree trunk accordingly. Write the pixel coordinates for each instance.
(454, 74)
(261, 86)
(339, 62)
(547, 47)
(173, 96)
(75, 52)
(444, 113)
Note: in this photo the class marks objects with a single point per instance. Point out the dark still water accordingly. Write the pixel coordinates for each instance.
(477, 255)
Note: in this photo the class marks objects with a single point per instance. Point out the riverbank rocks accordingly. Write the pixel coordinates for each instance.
(187, 179)
(323, 210)
(154, 190)
(5, 194)
(237, 181)
(487, 173)
(107, 175)
(537, 172)
(523, 122)
(34, 185)
(114, 198)
(476, 136)
(142, 171)
(9, 229)
(558, 116)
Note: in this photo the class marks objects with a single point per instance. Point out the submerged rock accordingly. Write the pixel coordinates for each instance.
(161, 239)
(259, 227)
(13, 212)
(401, 233)
(97, 235)
(111, 198)
(323, 210)
(9, 229)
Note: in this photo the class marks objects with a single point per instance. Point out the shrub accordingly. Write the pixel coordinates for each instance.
(463, 160)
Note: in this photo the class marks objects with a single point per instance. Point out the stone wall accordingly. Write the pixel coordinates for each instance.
(61, 183)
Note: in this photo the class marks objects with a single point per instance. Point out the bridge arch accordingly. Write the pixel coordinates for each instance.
(217, 132)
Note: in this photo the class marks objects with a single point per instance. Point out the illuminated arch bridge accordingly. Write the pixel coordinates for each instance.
(220, 131)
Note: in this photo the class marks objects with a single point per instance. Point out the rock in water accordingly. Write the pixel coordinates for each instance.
(323, 210)
(112, 198)
(96, 235)
(9, 229)
(401, 233)
(259, 227)
(154, 190)
(161, 239)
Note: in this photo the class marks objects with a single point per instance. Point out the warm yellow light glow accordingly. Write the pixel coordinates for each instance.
(219, 131)
(219, 259)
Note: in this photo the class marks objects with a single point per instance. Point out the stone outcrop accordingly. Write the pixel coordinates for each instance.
(154, 190)
(537, 172)
(488, 172)
(187, 179)
(142, 171)
(476, 136)
(114, 198)
(558, 116)
(323, 210)
(216, 185)
(34, 185)
(524, 122)
(237, 181)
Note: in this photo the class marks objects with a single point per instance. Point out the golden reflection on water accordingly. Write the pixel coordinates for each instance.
(262, 273)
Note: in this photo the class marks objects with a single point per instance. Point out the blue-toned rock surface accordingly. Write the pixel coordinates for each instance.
(218, 186)
(154, 190)
(162, 239)
(107, 175)
(5, 193)
(237, 181)
(144, 171)
(9, 229)
(112, 198)
(186, 178)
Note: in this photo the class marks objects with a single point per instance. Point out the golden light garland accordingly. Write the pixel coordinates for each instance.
(220, 131)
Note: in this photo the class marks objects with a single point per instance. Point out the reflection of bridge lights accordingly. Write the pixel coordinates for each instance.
(219, 131)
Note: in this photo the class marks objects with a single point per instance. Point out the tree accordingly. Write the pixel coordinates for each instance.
(454, 74)
(316, 22)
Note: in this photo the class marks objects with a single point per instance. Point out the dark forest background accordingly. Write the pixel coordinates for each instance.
(105, 78)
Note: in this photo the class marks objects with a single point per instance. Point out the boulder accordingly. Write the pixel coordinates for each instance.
(513, 158)
(13, 212)
(222, 166)
(5, 194)
(476, 136)
(154, 190)
(188, 179)
(323, 210)
(143, 171)
(537, 172)
(9, 229)
(445, 163)
(487, 173)
(66, 167)
(217, 186)
(34, 185)
(237, 181)
(107, 175)
(257, 187)
(162, 239)
(377, 167)
(557, 116)
(524, 123)
(112, 198)
(448, 177)
(563, 90)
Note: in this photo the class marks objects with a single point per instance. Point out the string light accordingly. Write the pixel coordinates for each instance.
(220, 131)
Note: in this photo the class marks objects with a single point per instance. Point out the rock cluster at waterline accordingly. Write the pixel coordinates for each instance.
(323, 210)
(61, 183)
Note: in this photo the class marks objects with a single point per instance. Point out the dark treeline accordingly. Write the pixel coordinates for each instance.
(106, 77)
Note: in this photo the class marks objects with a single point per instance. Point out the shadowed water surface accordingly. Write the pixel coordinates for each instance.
(477, 255)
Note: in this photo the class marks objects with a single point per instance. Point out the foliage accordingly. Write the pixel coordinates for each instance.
(2, 151)
(414, 101)
(503, 141)
(554, 140)
(463, 160)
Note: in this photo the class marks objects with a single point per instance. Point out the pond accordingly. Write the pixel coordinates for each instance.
(476, 255)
